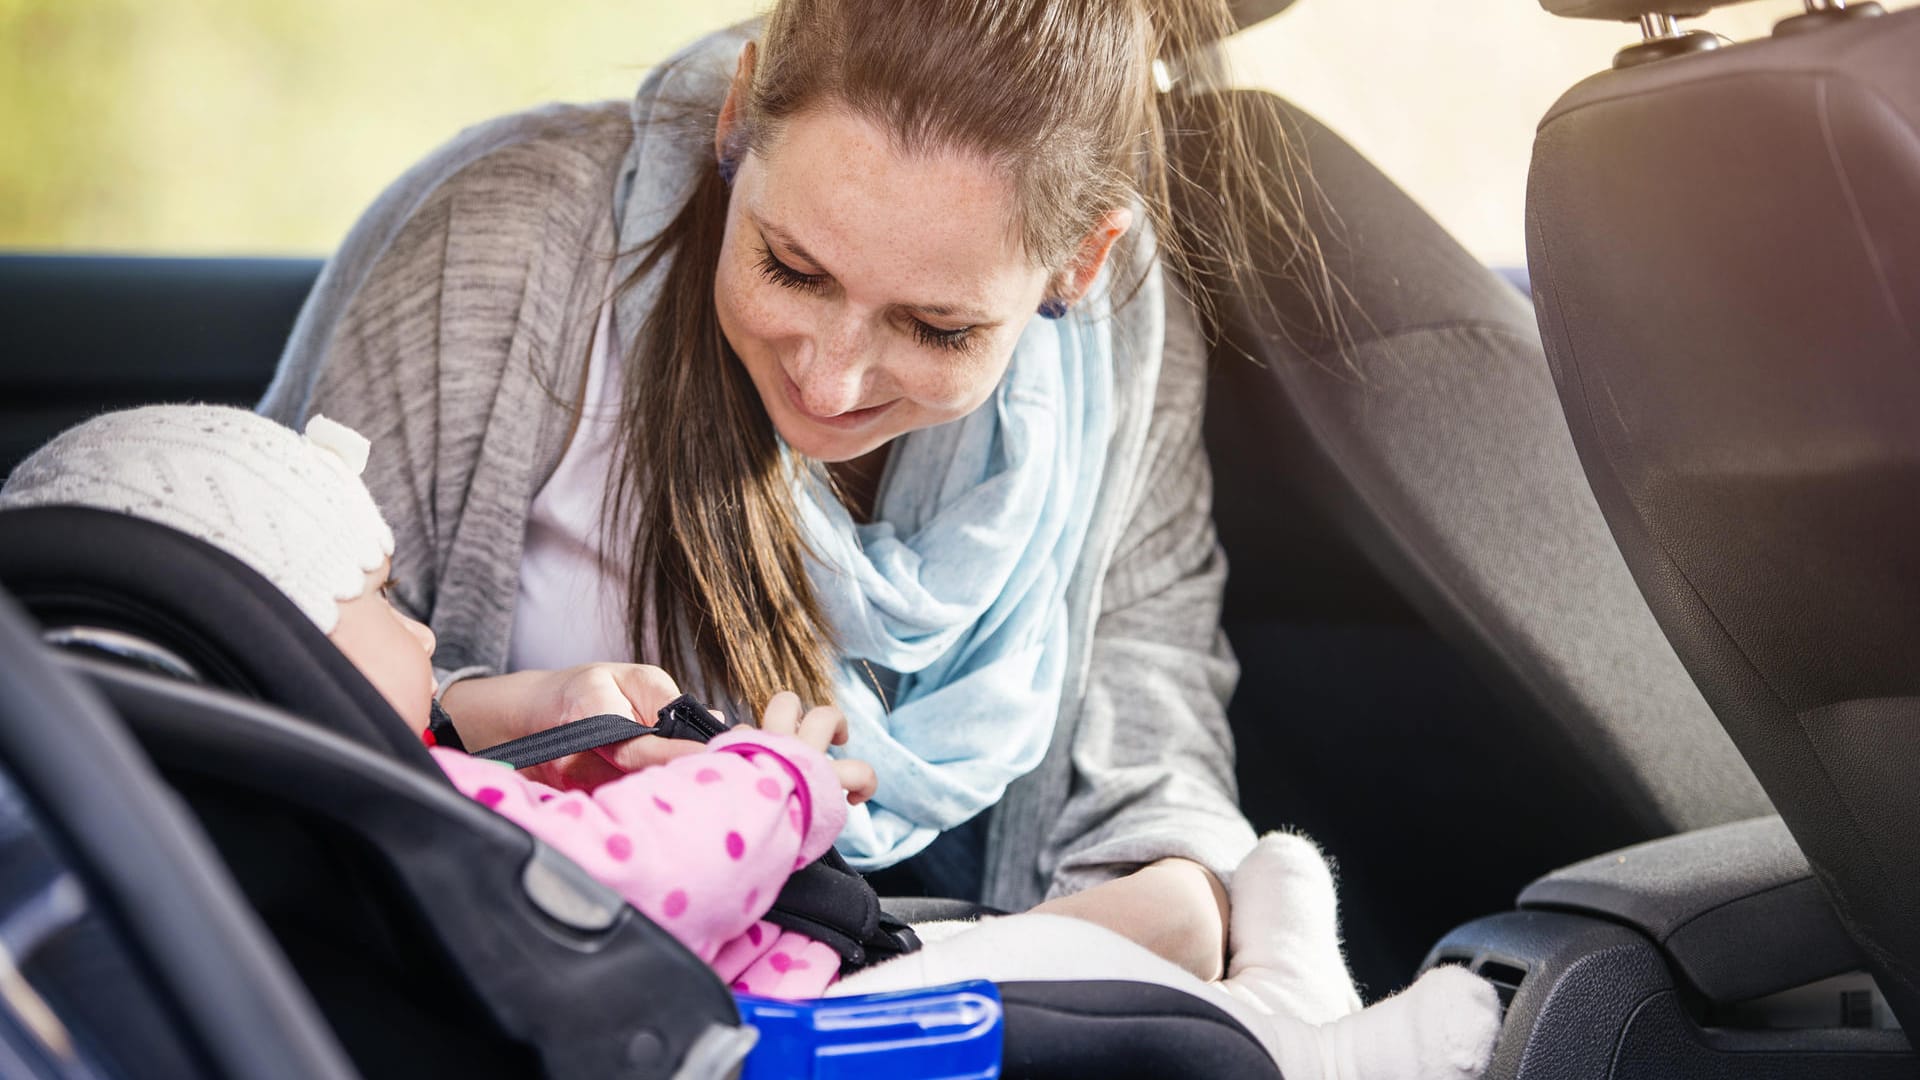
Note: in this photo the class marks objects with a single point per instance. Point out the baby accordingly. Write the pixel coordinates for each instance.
(703, 843)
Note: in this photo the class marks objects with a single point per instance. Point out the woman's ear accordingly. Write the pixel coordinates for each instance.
(727, 135)
(1090, 258)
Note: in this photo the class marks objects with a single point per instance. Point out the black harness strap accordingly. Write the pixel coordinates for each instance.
(681, 718)
(558, 742)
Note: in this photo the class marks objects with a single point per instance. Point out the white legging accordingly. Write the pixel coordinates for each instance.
(1441, 1027)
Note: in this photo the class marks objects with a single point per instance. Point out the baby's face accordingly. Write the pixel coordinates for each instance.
(394, 652)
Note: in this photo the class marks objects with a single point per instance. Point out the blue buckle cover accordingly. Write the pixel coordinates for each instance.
(942, 1033)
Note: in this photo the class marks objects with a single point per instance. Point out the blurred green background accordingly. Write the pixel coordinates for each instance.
(264, 126)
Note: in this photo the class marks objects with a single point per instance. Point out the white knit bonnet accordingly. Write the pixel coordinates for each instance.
(290, 506)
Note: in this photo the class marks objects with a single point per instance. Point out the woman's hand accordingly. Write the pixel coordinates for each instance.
(820, 728)
(1176, 907)
(490, 711)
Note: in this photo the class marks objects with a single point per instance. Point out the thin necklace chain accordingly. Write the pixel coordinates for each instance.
(878, 692)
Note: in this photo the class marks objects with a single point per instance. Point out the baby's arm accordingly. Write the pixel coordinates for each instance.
(701, 844)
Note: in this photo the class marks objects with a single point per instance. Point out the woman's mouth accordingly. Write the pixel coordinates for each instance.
(846, 421)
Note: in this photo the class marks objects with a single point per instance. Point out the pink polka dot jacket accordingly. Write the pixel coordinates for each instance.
(701, 845)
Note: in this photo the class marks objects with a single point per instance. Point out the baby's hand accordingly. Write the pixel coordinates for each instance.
(820, 728)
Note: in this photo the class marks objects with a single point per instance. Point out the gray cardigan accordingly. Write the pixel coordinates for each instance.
(452, 329)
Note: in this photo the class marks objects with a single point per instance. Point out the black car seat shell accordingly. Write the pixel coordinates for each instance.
(1726, 260)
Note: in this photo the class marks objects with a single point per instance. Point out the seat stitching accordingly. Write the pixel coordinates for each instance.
(1860, 232)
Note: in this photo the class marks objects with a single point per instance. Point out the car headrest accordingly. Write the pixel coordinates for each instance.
(1631, 10)
(1248, 12)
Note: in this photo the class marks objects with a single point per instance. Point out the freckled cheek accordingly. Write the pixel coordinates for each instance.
(758, 316)
(952, 387)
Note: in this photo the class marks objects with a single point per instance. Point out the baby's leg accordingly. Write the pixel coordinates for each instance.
(1018, 948)
(1441, 1028)
(1285, 963)
(1284, 933)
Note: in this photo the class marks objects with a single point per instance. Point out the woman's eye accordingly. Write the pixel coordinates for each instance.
(935, 338)
(786, 276)
(387, 587)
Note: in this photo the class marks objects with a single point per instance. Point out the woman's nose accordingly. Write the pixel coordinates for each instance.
(831, 374)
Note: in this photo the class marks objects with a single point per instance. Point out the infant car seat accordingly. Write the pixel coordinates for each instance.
(434, 935)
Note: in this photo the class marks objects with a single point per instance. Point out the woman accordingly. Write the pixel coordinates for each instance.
(873, 404)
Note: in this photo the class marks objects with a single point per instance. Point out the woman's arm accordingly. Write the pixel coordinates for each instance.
(1176, 907)
(1151, 825)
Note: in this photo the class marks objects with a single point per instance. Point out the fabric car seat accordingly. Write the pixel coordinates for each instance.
(434, 935)
(1420, 428)
(1726, 265)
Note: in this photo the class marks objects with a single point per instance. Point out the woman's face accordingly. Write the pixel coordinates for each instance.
(869, 293)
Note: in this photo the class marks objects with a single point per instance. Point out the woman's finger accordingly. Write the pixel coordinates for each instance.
(782, 714)
(648, 688)
(646, 752)
(857, 777)
(579, 693)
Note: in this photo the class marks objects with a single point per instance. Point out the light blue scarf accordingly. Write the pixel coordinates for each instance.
(959, 586)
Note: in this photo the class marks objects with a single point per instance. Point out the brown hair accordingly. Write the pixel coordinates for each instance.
(1061, 96)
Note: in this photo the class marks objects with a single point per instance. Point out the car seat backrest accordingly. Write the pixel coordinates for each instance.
(82, 567)
(1427, 428)
(1726, 265)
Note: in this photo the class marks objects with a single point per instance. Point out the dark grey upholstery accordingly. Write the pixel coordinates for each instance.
(1434, 438)
(1734, 908)
(1726, 263)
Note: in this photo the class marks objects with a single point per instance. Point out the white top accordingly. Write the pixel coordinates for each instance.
(571, 606)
